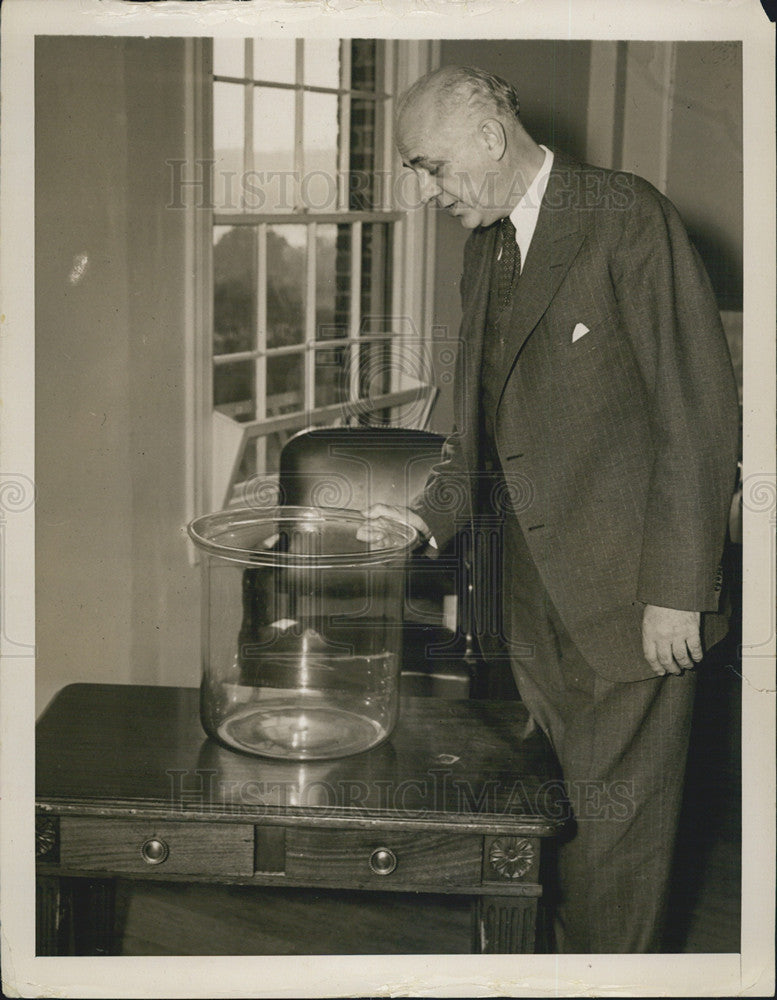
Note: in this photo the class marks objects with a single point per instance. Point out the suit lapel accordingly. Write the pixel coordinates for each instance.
(559, 234)
(473, 328)
(555, 243)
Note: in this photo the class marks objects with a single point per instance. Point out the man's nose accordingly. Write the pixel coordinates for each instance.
(428, 186)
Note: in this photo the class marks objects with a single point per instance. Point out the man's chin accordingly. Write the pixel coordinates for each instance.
(470, 220)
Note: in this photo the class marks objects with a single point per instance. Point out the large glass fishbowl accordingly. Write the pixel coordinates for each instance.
(301, 616)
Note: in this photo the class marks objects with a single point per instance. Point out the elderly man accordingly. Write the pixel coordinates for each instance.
(594, 383)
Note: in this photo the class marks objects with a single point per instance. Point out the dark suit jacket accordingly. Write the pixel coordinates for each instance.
(619, 449)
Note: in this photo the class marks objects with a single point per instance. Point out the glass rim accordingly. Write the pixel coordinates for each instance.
(205, 531)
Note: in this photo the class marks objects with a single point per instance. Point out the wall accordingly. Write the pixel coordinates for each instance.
(116, 597)
(704, 173)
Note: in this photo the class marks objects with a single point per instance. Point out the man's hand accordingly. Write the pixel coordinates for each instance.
(670, 639)
(374, 528)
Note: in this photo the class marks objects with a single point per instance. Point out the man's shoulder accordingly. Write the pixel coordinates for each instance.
(612, 205)
(584, 186)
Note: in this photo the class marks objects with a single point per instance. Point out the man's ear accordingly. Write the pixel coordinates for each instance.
(492, 132)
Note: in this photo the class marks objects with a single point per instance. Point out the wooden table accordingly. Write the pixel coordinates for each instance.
(459, 800)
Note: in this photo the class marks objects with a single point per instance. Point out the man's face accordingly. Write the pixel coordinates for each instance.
(452, 165)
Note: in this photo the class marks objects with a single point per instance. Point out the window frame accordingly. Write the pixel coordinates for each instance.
(218, 442)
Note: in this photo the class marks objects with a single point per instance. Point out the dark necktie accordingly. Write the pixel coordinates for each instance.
(505, 270)
(508, 262)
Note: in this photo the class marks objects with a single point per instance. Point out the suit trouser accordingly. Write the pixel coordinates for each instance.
(622, 748)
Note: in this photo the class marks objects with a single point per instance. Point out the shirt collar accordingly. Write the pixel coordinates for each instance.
(525, 214)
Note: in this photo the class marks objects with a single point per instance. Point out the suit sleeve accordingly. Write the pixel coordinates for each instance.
(446, 502)
(674, 325)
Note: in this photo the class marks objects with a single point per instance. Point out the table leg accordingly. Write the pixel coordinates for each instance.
(47, 915)
(504, 925)
(74, 916)
(94, 916)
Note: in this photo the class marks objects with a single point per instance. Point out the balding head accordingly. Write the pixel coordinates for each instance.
(458, 129)
(460, 93)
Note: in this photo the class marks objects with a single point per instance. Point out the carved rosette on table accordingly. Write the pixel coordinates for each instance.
(511, 857)
(46, 837)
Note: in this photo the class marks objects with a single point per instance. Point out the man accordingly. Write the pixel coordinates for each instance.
(594, 382)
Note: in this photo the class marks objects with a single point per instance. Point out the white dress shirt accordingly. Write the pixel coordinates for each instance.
(525, 214)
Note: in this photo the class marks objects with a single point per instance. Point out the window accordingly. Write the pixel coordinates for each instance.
(310, 316)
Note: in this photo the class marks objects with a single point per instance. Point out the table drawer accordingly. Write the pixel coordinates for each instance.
(168, 848)
(371, 857)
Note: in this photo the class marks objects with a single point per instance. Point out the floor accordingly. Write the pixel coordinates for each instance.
(165, 919)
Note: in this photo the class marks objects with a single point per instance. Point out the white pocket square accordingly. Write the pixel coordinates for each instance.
(579, 331)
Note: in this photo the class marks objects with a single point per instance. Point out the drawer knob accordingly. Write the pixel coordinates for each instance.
(154, 851)
(383, 861)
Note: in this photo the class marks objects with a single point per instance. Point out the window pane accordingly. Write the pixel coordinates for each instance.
(274, 59)
(286, 262)
(273, 444)
(362, 195)
(284, 385)
(322, 62)
(376, 374)
(228, 140)
(249, 464)
(274, 187)
(333, 280)
(233, 390)
(363, 63)
(234, 289)
(229, 57)
(320, 132)
(376, 276)
(331, 375)
(375, 366)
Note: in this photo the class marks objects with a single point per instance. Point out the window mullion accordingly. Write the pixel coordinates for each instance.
(279, 218)
(385, 113)
(344, 152)
(397, 243)
(309, 358)
(299, 121)
(355, 310)
(248, 112)
(260, 365)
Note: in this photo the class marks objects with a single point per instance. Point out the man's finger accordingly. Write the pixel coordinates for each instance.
(680, 654)
(694, 648)
(402, 514)
(371, 531)
(649, 649)
(376, 529)
(382, 510)
(666, 658)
